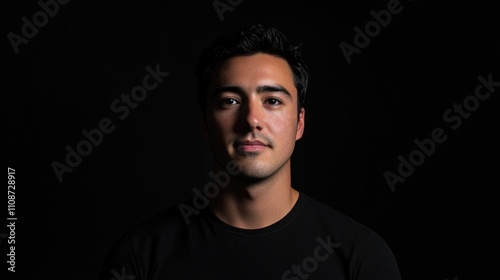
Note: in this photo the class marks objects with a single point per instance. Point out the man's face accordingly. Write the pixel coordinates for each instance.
(252, 115)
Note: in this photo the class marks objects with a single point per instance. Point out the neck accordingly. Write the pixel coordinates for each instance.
(257, 204)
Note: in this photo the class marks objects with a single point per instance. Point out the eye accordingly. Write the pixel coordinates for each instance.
(228, 101)
(274, 101)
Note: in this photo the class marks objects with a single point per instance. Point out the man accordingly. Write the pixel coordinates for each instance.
(249, 222)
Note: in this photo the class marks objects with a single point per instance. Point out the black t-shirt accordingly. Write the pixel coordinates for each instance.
(313, 241)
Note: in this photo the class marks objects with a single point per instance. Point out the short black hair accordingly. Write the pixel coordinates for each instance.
(248, 40)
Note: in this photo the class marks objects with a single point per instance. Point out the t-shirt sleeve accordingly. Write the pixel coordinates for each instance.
(377, 261)
(121, 261)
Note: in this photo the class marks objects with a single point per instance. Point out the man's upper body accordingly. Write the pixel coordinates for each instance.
(313, 241)
(252, 86)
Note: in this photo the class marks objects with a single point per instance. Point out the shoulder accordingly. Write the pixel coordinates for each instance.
(330, 217)
(164, 227)
(323, 218)
(368, 253)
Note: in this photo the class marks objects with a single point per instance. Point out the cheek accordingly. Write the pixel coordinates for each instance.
(221, 123)
(284, 126)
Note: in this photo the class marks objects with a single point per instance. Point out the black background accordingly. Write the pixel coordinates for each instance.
(360, 116)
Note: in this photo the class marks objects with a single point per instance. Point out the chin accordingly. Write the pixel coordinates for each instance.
(253, 174)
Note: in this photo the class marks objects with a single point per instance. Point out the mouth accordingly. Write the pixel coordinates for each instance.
(250, 146)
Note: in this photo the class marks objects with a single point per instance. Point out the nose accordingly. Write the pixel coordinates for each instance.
(253, 115)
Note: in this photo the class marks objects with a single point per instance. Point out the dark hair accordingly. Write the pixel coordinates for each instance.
(248, 40)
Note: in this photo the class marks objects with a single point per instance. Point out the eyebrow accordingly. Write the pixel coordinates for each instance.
(260, 89)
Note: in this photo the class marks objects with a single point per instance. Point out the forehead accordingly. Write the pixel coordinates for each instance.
(254, 70)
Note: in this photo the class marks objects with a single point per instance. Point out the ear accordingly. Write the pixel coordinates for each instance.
(300, 124)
